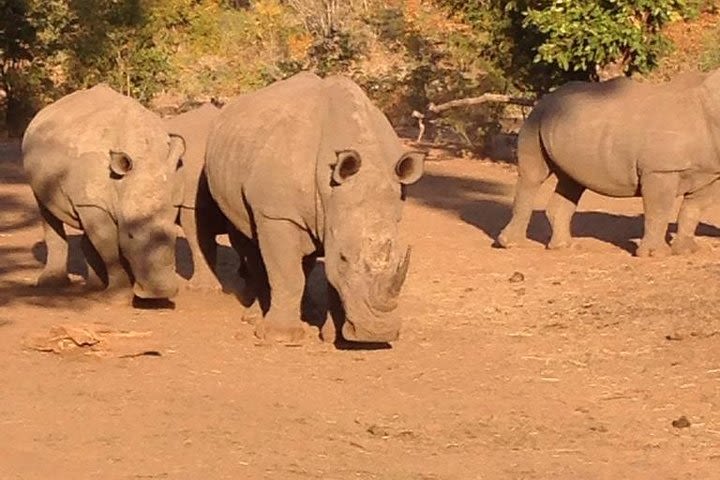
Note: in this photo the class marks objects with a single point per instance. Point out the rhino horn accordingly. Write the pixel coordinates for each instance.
(388, 287)
(400, 274)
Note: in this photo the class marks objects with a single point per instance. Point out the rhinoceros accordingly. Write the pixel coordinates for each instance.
(622, 138)
(308, 167)
(200, 218)
(99, 161)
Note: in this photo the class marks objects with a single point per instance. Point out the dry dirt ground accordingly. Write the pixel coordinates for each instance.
(580, 366)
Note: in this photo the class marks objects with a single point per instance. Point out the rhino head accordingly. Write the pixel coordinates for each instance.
(364, 259)
(148, 189)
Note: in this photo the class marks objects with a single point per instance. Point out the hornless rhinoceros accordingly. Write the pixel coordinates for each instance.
(200, 217)
(99, 161)
(309, 167)
(622, 139)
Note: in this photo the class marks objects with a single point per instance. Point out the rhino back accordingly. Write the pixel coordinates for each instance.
(357, 123)
(604, 135)
(194, 126)
(95, 120)
(66, 146)
(262, 149)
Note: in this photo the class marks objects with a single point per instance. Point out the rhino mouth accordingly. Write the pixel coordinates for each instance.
(357, 332)
(159, 292)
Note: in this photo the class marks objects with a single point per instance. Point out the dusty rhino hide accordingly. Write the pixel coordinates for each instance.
(99, 161)
(309, 167)
(199, 216)
(622, 138)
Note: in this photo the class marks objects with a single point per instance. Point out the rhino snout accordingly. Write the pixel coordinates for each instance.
(359, 332)
(167, 289)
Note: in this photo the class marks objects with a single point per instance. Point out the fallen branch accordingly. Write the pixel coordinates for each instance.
(484, 98)
(466, 102)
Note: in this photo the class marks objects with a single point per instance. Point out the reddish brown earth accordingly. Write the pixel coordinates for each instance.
(575, 368)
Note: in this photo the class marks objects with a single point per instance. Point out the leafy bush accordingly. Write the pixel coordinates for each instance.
(406, 53)
(542, 43)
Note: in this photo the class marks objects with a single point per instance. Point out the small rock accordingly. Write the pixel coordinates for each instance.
(516, 277)
(681, 422)
(378, 431)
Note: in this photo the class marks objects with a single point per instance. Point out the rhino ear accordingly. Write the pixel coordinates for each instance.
(348, 164)
(410, 167)
(177, 150)
(120, 163)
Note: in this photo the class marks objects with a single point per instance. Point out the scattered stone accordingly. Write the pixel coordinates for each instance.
(681, 422)
(516, 277)
(378, 431)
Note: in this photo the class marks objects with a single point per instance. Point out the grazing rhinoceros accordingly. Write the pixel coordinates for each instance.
(622, 139)
(200, 217)
(309, 167)
(99, 161)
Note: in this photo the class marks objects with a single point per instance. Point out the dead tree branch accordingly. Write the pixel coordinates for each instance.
(435, 110)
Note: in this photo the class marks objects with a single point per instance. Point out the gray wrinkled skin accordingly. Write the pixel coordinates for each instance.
(99, 161)
(622, 139)
(200, 217)
(307, 167)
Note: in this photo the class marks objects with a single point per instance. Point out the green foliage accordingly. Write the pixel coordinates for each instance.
(118, 42)
(585, 35)
(406, 53)
(542, 43)
(710, 58)
(31, 35)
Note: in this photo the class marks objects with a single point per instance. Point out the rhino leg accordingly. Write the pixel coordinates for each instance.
(331, 329)
(252, 272)
(658, 195)
(533, 170)
(54, 273)
(96, 275)
(282, 248)
(560, 210)
(203, 247)
(691, 210)
(102, 251)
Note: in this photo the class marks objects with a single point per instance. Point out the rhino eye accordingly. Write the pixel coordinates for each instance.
(343, 258)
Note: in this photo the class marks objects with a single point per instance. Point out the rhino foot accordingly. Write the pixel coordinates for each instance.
(112, 297)
(512, 240)
(286, 333)
(53, 280)
(252, 314)
(684, 245)
(560, 244)
(653, 251)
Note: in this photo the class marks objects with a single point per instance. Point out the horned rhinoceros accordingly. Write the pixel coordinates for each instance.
(307, 167)
(622, 139)
(200, 218)
(99, 161)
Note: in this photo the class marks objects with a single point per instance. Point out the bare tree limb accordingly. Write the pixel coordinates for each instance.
(421, 124)
(434, 110)
(484, 98)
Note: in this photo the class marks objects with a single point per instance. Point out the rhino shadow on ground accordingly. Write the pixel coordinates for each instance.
(11, 169)
(468, 198)
(15, 259)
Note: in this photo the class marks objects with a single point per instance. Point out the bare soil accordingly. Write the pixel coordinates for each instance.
(517, 364)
